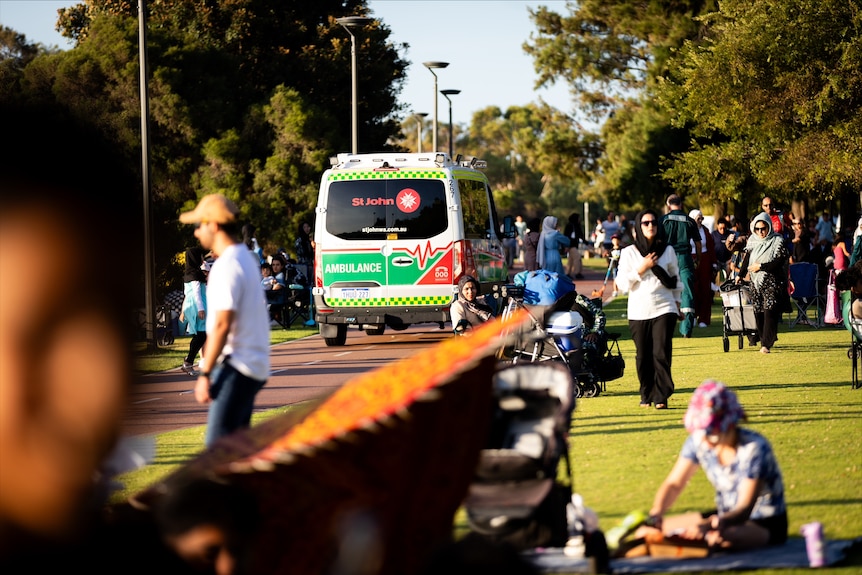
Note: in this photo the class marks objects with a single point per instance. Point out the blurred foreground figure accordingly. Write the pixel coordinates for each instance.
(65, 353)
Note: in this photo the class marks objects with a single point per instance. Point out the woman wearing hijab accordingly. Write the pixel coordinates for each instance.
(531, 244)
(766, 265)
(649, 272)
(195, 305)
(469, 306)
(548, 250)
(739, 463)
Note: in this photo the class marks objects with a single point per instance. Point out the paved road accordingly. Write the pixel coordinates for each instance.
(301, 370)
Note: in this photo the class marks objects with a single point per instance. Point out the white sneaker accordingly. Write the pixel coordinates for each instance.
(701, 324)
(189, 369)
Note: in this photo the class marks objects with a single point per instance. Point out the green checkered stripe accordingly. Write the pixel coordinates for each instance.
(399, 175)
(389, 301)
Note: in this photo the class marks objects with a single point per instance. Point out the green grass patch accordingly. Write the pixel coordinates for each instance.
(799, 397)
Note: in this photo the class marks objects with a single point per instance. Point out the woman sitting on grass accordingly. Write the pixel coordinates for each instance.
(742, 468)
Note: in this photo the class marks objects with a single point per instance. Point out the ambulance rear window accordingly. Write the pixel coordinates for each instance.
(378, 209)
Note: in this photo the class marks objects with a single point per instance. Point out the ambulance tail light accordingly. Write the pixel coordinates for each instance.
(462, 261)
(318, 268)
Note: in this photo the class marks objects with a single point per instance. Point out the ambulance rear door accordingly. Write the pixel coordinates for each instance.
(393, 239)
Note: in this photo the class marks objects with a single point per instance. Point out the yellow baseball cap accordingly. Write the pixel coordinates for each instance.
(212, 208)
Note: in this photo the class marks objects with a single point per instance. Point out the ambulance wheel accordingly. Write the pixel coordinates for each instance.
(726, 344)
(340, 337)
(376, 330)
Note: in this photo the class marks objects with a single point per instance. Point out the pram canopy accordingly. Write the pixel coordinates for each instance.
(543, 287)
(516, 496)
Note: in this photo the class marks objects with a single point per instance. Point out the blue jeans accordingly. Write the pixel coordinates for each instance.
(233, 400)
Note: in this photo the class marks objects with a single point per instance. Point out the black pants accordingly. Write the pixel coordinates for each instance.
(653, 340)
(767, 326)
(195, 346)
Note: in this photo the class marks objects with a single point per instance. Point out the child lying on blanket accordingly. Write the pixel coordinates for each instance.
(750, 510)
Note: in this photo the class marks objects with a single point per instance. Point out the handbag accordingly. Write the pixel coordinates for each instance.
(612, 365)
(833, 302)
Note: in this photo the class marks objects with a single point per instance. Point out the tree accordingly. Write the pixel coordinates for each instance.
(611, 53)
(608, 51)
(15, 54)
(772, 97)
(272, 43)
(247, 97)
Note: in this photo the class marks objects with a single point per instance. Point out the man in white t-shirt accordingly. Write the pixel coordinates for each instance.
(236, 355)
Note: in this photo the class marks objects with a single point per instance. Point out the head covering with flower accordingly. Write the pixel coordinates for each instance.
(713, 409)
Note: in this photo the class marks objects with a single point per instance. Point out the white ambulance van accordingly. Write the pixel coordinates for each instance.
(393, 235)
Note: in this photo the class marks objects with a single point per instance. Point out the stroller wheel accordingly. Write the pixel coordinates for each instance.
(590, 389)
(726, 345)
(576, 390)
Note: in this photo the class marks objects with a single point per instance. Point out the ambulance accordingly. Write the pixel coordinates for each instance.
(394, 232)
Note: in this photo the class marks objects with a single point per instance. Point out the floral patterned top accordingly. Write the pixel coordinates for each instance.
(754, 459)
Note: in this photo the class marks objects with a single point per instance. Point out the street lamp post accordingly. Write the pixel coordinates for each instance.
(431, 66)
(349, 23)
(420, 118)
(446, 94)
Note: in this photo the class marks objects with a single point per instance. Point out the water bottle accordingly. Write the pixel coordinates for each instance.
(813, 533)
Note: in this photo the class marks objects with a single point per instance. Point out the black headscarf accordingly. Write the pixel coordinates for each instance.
(475, 311)
(657, 246)
(194, 261)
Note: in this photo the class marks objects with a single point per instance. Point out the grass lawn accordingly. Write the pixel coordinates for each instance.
(799, 397)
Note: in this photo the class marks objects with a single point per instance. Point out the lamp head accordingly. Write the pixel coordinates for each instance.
(432, 64)
(354, 21)
(450, 92)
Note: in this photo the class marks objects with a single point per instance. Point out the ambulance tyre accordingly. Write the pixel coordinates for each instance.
(340, 337)
(376, 330)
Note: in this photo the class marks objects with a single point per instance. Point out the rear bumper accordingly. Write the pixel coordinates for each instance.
(392, 316)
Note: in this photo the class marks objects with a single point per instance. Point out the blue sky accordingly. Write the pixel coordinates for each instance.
(481, 40)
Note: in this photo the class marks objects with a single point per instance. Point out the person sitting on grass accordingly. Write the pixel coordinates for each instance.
(750, 508)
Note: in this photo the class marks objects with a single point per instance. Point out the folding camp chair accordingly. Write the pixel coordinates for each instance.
(277, 303)
(806, 295)
(298, 303)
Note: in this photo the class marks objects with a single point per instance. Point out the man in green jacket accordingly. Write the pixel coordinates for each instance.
(681, 230)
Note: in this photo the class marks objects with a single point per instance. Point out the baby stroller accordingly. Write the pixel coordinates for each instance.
(738, 312)
(854, 326)
(164, 326)
(557, 330)
(516, 497)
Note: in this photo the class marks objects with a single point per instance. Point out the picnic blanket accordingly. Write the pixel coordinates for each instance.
(791, 554)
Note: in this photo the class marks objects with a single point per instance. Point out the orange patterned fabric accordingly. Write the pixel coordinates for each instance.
(381, 393)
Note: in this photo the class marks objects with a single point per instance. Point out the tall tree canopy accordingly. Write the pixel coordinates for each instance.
(247, 97)
(773, 95)
(720, 101)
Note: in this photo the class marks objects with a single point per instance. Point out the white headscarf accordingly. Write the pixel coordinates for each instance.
(694, 214)
(549, 226)
(763, 250)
